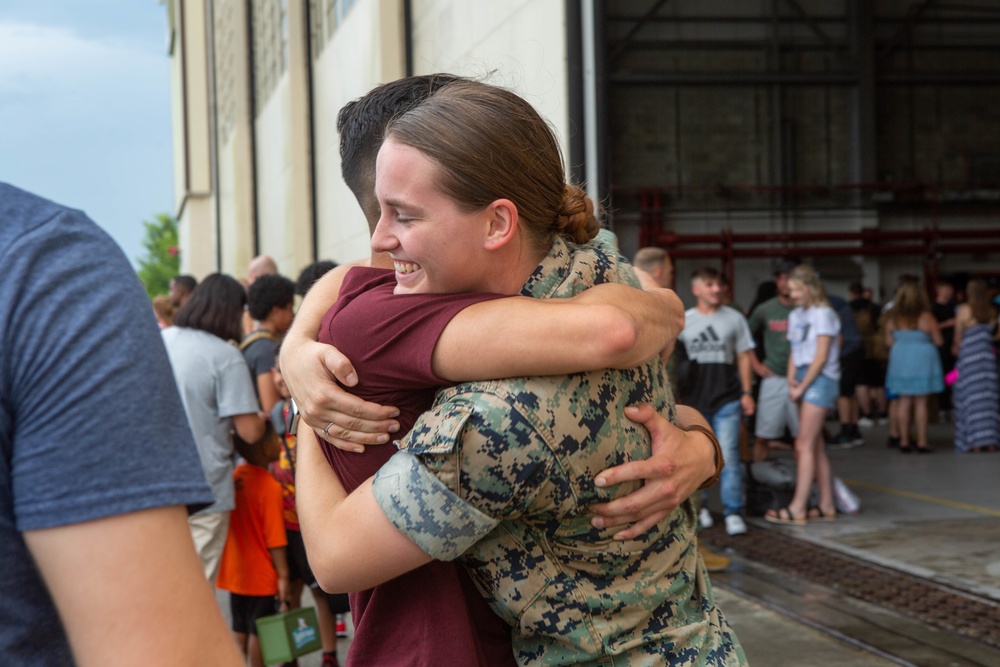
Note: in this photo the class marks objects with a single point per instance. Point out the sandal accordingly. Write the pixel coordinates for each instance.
(784, 516)
(924, 449)
(817, 514)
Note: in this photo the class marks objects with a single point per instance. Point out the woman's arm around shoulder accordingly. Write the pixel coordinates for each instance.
(607, 326)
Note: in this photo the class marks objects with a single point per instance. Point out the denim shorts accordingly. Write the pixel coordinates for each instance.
(822, 392)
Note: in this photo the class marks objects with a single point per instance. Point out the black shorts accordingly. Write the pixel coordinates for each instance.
(298, 568)
(872, 373)
(246, 609)
(850, 371)
(298, 564)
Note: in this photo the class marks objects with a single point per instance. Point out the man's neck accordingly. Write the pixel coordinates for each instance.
(265, 326)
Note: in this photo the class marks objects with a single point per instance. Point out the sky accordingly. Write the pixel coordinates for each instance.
(85, 109)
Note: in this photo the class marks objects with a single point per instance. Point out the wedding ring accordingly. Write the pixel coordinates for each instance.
(326, 431)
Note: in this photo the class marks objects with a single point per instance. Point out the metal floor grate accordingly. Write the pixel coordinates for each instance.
(956, 611)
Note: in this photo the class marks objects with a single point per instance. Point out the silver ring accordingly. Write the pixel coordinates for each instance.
(326, 431)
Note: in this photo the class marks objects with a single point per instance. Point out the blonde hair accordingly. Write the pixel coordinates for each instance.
(908, 304)
(809, 279)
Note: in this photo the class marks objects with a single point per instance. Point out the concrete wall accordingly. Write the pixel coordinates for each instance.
(366, 50)
(193, 202)
(519, 44)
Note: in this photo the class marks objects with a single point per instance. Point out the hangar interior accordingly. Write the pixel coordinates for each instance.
(859, 135)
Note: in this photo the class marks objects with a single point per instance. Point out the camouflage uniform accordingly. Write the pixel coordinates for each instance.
(500, 474)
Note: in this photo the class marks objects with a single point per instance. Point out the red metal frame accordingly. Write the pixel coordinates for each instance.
(930, 243)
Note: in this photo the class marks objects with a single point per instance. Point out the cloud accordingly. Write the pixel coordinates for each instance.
(34, 58)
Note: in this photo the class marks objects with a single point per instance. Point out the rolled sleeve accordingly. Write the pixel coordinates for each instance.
(425, 510)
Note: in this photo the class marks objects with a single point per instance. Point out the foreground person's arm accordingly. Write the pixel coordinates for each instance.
(682, 461)
(130, 590)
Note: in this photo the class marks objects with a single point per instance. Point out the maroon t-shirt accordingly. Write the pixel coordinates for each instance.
(433, 615)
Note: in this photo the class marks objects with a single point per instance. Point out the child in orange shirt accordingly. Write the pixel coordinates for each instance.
(254, 567)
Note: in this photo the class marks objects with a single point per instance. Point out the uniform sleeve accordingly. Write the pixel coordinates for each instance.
(464, 467)
(91, 422)
(234, 392)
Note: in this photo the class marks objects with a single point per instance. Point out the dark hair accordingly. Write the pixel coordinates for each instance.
(362, 122)
(309, 275)
(216, 307)
(649, 259)
(766, 291)
(188, 283)
(855, 288)
(268, 292)
(705, 273)
(489, 144)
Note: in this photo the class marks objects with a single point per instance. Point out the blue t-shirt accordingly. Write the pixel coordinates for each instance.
(91, 424)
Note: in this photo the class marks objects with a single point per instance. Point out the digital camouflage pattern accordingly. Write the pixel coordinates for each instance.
(500, 474)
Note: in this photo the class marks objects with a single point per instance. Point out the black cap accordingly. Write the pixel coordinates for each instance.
(784, 266)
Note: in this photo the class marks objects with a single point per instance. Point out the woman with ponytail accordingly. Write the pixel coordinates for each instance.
(500, 474)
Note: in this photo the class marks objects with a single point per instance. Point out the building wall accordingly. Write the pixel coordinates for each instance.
(193, 202)
(519, 44)
(234, 187)
(353, 55)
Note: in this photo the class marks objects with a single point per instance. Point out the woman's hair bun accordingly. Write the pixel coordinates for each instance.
(576, 220)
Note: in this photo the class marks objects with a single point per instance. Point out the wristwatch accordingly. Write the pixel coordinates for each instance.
(292, 418)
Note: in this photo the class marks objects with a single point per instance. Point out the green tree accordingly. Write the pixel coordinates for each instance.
(162, 261)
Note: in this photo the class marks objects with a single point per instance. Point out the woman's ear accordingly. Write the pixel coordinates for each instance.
(503, 223)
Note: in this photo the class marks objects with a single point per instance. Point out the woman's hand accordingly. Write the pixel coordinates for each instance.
(795, 390)
(311, 372)
(679, 463)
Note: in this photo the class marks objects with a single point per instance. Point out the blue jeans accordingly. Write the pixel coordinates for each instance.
(726, 423)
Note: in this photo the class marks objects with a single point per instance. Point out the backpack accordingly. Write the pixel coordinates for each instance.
(256, 336)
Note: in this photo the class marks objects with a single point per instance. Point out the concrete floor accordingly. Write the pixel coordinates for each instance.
(936, 516)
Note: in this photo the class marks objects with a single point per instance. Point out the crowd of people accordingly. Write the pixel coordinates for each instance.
(539, 500)
(816, 356)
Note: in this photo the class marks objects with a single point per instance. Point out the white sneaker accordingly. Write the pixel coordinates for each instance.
(705, 519)
(735, 525)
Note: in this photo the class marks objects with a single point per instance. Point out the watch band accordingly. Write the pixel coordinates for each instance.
(719, 460)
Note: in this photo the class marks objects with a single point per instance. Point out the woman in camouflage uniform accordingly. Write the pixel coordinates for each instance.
(500, 474)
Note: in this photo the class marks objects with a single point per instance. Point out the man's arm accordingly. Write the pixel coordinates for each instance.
(681, 461)
(746, 382)
(759, 368)
(311, 371)
(130, 590)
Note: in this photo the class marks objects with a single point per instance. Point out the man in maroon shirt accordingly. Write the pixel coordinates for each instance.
(433, 615)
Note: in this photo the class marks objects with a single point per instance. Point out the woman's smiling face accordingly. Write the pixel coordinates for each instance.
(435, 247)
